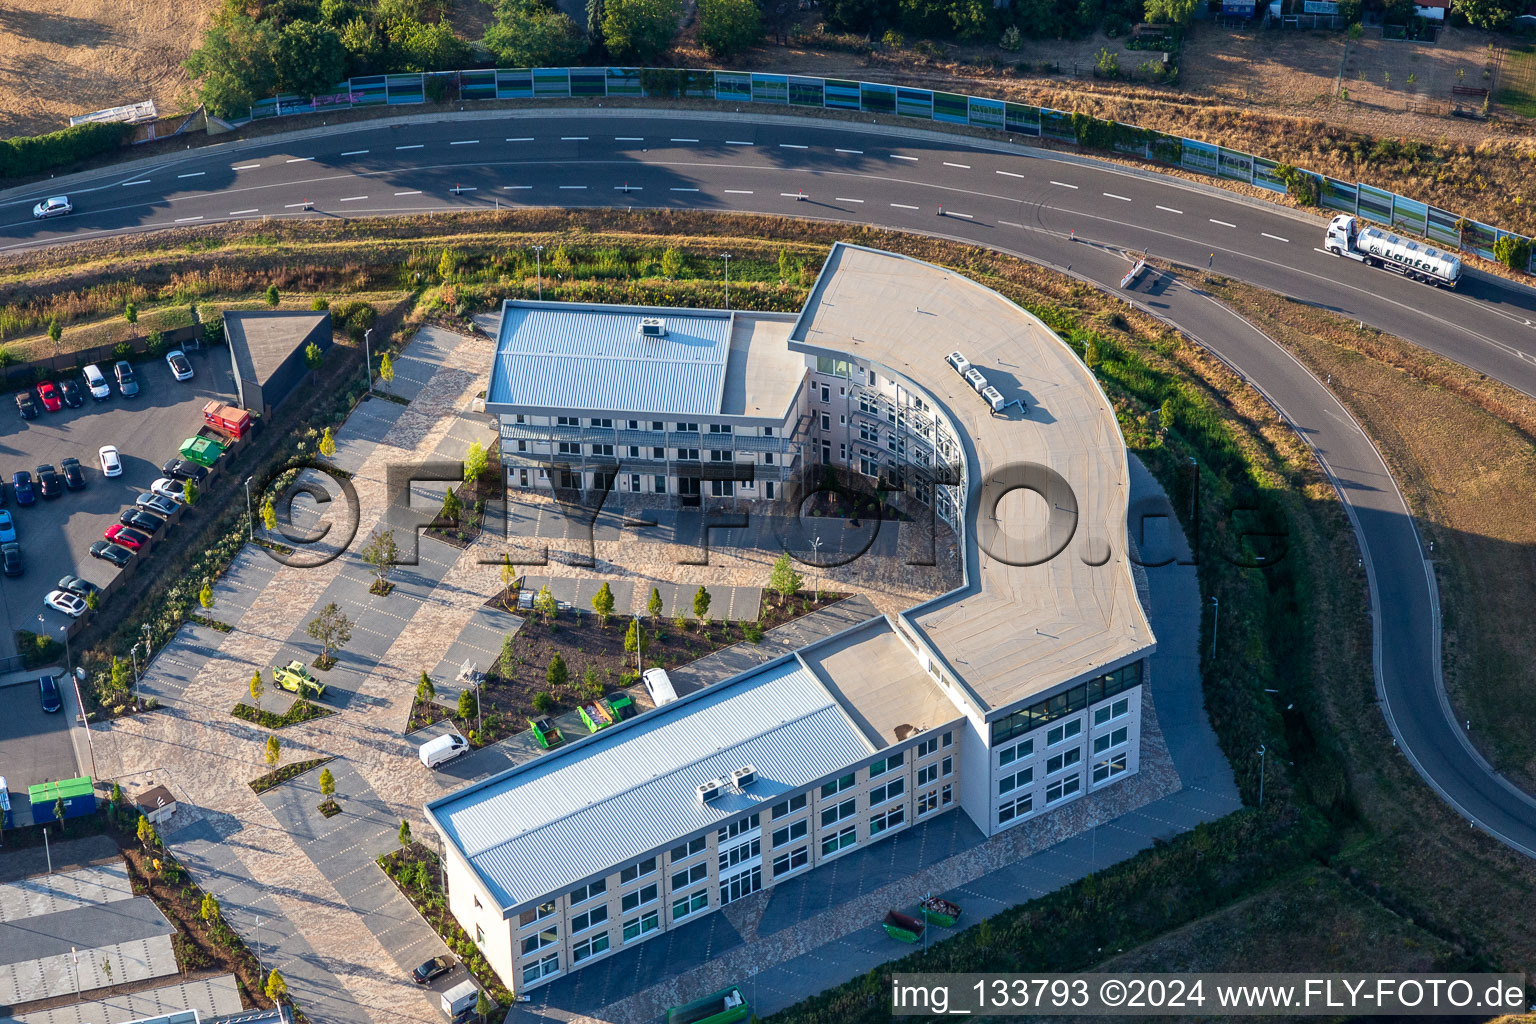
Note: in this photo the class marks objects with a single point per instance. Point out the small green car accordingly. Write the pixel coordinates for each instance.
(294, 676)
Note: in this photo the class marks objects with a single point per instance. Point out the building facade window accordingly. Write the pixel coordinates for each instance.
(1109, 739)
(1110, 712)
(890, 791)
(588, 948)
(582, 893)
(1017, 780)
(639, 898)
(878, 768)
(542, 969)
(689, 876)
(538, 940)
(890, 819)
(839, 841)
(691, 848)
(541, 912)
(927, 802)
(1063, 732)
(739, 827)
(789, 833)
(838, 812)
(637, 870)
(927, 773)
(1063, 760)
(681, 908)
(1067, 702)
(642, 925)
(790, 806)
(1063, 788)
(1109, 768)
(837, 785)
(926, 747)
(589, 919)
(744, 883)
(740, 854)
(794, 860)
(1017, 752)
(1015, 808)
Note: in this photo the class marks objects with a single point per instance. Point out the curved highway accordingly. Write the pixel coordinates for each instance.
(1063, 211)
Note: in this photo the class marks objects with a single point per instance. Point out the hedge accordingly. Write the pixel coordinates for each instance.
(28, 155)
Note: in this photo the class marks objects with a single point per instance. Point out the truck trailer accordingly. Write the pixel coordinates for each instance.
(1378, 247)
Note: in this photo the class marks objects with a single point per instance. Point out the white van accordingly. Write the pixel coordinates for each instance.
(460, 998)
(959, 362)
(659, 686)
(443, 749)
(97, 382)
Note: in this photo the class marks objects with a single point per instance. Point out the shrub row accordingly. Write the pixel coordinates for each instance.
(28, 155)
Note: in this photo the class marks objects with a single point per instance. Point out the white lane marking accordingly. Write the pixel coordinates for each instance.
(683, 190)
(1169, 209)
(1062, 184)
(237, 213)
(898, 156)
(457, 189)
(962, 216)
(733, 142)
(415, 193)
(1010, 223)
(293, 206)
(183, 220)
(965, 166)
(517, 186)
(845, 199)
(1010, 174)
(417, 145)
(137, 181)
(793, 195)
(573, 138)
(791, 145)
(194, 174)
(1223, 223)
(1123, 199)
(1277, 238)
(244, 167)
(623, 138)
(616, 188)
(572, 186)
(354, 152)
(738, 192)
(858, 151)
(685, 140)
(525, 138)
(465, 142)
(903, 206)
(299, 159)
(352, 199)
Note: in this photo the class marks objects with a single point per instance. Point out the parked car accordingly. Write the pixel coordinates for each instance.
(111, 461)
(155, 503)
(48, 481)
(10, 558)
(176, 490)
(74, 476)
(140, 520)
(76, 585)
(434, 968)
(70, 389)
(96, 383)
(26, 406)
(442, 749)
(181, 366)
(21, 483)
(7, 526)
(48, 689)
(56, 206)
(127, 383)
(70, 604)
(109, 552)
(48, 393)
(117, 533)
(183, 469)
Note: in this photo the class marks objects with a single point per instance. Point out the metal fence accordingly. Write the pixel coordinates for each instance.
(1389, 209)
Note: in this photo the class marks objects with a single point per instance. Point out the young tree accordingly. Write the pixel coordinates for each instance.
(386, 368)
(468, 708)
(483, 1005)
(602, 602)
(209, 910)
(381, 553)
(451, 507)
(327, 443)
(130, 312)
(313, 356)
(269, 514)
(508, 571)
(55, 332)
(544, 702)
(58, 812)
(544, 604)
(727, 27)
(276, 988)
(640, 30)
(701, 604)
(633, 637)
(425, 691)
(189, 493)
(508, 654)
(475, 461)
(591, 685)
(272, 296)
(327, 783)
(146, 833)
(274, 750)
(405, 832)
(205, 596)
(653, 606)
(332, 628)
(256, 688)
(784, 579)
(121, 674)
(557, 675)
(671, 264)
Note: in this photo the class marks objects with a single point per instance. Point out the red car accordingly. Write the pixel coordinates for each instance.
(48, 391)
(120, 534)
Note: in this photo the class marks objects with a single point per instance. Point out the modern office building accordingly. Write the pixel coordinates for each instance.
(1016, 693)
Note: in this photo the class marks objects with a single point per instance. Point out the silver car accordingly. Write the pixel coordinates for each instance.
(58, 206)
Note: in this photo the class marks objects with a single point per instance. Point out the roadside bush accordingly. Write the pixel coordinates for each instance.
(157, 344)
(1301, 185)
(33, 154)
(1513, 251)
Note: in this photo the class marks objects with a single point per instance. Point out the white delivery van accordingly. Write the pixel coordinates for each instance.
(659, 686)
(97, 382)
(443, 749)
(460, 998)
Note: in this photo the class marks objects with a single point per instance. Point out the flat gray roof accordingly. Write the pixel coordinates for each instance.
(880, 683)
(262, 340)
(1014, 629)
(762, 376)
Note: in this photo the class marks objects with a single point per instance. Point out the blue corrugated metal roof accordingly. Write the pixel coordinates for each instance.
(589, 357)
(562, 818)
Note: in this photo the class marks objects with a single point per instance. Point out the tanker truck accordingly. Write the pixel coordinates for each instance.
(1380, 248)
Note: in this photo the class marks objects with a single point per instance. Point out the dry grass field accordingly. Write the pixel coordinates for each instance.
(65, 57)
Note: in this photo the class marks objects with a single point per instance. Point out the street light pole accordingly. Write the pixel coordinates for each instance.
(368, 356)
(1262, 749)
(538, 269)
(133, 652)
(816, 554)
(250, 518)
(80, 703)
(1215, 622)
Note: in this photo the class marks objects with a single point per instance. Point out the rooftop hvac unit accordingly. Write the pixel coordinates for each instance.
(708, 790)
(653, 327)
(744, 776)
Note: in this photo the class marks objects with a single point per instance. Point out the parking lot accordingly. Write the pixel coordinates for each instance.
(36, 744)
(56, 534)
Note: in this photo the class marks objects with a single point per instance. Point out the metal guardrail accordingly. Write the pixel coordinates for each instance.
(1398, 212)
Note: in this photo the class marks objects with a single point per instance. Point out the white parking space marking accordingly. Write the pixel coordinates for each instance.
(1010, 174)
(353, 199)
(1062, 184)
(738, 192)
(860, 152)
(355, 152)
(1223, 223)
(1277, 238)
(184, 220)
(417, 145)
(415, 193)
(845, 199)
(244, 167)
(465, 142)
(137, 181)
(963, 166)
(903, 206)
(194, 174)
(300, 159)
(1123, 199)
(898, 156)
(1169, 209)
(237, 213)
(791, 145)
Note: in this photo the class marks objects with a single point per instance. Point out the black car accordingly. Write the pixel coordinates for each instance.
(140, 520)
(10, 558)
(76, 585)
(26, 405)
(52, 702)
(434, 968)
(49, 483)
(114, 553)
(183, 469)
(70, 390)
(74, 476)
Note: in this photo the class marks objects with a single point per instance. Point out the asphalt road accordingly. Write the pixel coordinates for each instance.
(1066, 212)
